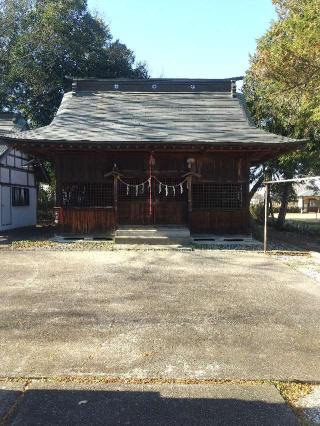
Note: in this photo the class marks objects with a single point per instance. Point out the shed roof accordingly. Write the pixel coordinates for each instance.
(156, 110)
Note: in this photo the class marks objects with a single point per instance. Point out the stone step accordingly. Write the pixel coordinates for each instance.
(152, 235)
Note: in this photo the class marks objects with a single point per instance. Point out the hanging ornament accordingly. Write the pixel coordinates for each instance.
(166, 190)
(128, 189)
(142, 189)
(181, 188)
(174, 190)
(137, 189)
(149, 182)
(159, 187)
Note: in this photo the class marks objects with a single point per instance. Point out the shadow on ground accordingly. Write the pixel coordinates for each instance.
(31, 233)
(74, 407)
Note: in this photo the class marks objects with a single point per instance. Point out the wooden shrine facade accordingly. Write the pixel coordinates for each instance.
(207, 192)
(152, 152)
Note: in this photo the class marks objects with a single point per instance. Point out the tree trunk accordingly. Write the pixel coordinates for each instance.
(284, 204)
(255, 187)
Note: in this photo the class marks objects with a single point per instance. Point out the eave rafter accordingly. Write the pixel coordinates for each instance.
(256, 152)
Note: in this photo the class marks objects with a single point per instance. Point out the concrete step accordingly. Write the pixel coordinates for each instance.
(171, 233)
(152, 235)
(151, 240)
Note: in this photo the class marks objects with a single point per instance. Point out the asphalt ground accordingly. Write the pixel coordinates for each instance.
(202, 314)
(153, 315)
(41, 403)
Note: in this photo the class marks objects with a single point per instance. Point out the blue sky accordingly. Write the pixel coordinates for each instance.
(190, 38)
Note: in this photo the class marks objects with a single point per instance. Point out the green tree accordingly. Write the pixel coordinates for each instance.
(44, 41)
(282, 88)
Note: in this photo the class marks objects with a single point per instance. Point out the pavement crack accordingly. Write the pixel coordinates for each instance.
(13, 408)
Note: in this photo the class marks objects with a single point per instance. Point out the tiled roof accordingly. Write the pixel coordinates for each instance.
(101, 111)
(6, 126)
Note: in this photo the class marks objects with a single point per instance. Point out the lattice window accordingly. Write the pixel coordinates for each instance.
(87, 195)
(218, 196)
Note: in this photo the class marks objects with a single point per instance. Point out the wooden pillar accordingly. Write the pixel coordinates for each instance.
(189, 182)
(58, 211)
(115, 200)
(58, 194)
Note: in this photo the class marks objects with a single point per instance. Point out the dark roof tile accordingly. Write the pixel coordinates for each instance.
(113, 115)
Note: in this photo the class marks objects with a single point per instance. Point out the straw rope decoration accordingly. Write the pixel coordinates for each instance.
(174, 188)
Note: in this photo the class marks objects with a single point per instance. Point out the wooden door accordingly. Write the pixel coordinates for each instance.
(133, 202)
(168, 202)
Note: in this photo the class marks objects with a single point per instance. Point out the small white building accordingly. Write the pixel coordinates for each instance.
(18, 188)
(309, 197)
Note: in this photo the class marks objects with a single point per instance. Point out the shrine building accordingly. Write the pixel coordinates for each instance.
(152, 152)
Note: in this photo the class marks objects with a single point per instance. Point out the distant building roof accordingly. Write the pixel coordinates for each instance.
(310, 189)
(156, 110)
(8, 125)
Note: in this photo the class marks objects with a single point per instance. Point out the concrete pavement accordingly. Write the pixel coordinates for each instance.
(50, 403)
(202, 314)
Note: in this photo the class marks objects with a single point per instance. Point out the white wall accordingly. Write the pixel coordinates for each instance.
(21, 215)
(19, 177)
(4, 175)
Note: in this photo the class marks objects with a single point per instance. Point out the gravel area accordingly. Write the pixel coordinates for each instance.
(48, 244)
(301, 262)
(57, 246)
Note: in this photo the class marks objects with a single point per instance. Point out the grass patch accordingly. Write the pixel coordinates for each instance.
(292, 392)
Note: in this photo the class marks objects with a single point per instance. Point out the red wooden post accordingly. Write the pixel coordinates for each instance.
(115, 199)
(150, 187)
(151, 164)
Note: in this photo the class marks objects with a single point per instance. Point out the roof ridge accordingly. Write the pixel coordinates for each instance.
(154, 85)
(154, 79)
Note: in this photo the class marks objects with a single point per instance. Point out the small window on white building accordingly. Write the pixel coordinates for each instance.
(20, 196)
